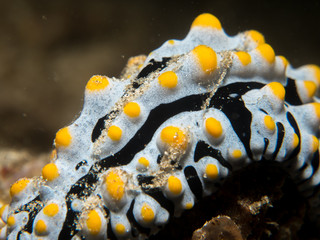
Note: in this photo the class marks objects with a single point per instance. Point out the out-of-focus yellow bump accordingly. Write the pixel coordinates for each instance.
(316, 106)
(168, 79)
(115, 133)
(269, 123)
(19, 186)
(2, 209)
(267, 52)
(207, 20)
(144, 162)
(50, 171)
(256, 36)
(171, 42)
(236, 153)
(211, 171)
(132, 109)
(311, 88)
(277, 89)
(213, 127)
(316, 70)
(147, 213)
(94, 222)
(41, 227)
(97, 83)
(295, 141)
(11, 221)
(51, 210)
(120, 228)
(244, 57)
(284, 61)
(114, 185)
(174, 185)
(63, 138)
(315, 144)
(207, 58)
(174, 137)
(188, 205)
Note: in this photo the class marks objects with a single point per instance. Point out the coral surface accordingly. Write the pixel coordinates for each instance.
(148, 146)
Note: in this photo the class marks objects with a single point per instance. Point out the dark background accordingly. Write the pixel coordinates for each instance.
(49, 49)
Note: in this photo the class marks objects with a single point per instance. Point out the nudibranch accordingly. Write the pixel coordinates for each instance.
(148, 146)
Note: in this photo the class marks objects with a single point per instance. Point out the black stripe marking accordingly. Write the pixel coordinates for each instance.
(153, 66)
(203, 149)
(295, 127)
(292, 96)
(80, 164)
(280, 132)
(266, 144)
(193, 181)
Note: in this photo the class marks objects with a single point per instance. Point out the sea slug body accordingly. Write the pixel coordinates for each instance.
(148, 146)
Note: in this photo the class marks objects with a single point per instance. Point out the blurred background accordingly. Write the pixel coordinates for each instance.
(49, 50)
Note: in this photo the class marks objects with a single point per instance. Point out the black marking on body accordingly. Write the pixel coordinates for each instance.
(88, 183)
(82, 163)
(203, 150)
(100, 125)
(315, 162)
(295, 127)
(136, 227)
(153, 66)
(266, 144)
(292, 96)
(280, 133)
(193, 181)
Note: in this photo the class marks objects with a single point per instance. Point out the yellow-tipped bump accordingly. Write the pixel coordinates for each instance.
(214, 127)
(51, 210)
(207, 20)
(207, 58)
(41, 227)
(50, 171)
(267, 53)
(168, 79)
(120, 229)
(256, 37)
(316, 71)
(244, 58)
(147, 213)
(188, 205)
(97, 83)
(19, 186)
(174, 137)
(114, 133)
(174, 185)
(211, 171)
(284, 61)
(269, 123)
(94, 222)
(277, 89)
(236, 153)
(316, 107)
(11, 221)
(315, 144)
(114, 185)
(311, 88)
(132, 109)
(63, 138)
(295, 141)
(144, 162)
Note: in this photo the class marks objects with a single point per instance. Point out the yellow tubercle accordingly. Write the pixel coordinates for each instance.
(11, 221)
(316, 106)
(147, 213)
(41, 227)
(115, 185)
(51, 210)
(19, 186)
(171, 42)
(174, 185)
(207, 20)
(277, 89)
(315, 144)
(132, 109)
(311, 88)
(174, 137)
(168, 79)
(2, 209)
(94, 222)
(207, 58)
(144, 162)
(284, 61)
(213, 127)
(120, 228)
(256, 37)
(50, 172)
(244, 57)
(211, 171)
(63, 137)
(97, 83)
(267, 52)
(295, 141)
(115, 133)
(236, 153)
(188, 206)
(316, 71)
(269, 123)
